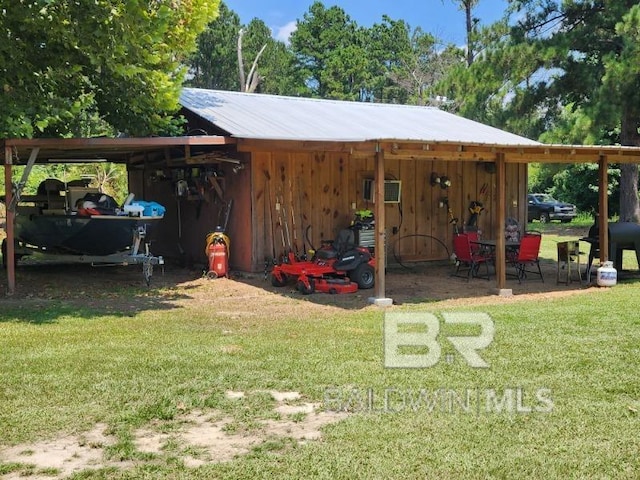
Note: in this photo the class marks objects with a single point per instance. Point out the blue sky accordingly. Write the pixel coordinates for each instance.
(441, 18)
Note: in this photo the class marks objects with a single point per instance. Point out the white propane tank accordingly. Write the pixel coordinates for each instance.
(607, 275)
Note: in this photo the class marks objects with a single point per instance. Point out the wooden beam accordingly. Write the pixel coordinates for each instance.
(266, 145)
(603, 231)
(9, 260)
(209, 158)
(101, 142)
(380, 226)
(558, 157)
(463, 156)
(501, 212)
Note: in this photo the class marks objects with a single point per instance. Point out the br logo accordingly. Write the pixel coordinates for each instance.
(417, 334)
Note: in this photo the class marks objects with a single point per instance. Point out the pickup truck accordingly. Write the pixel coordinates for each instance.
(543, 207)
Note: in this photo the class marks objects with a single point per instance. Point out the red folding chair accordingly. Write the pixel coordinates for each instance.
(468, 260)
(526, 260)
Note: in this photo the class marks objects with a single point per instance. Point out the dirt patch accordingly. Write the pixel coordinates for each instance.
(121, 290)
(60, 457)
(202, 437)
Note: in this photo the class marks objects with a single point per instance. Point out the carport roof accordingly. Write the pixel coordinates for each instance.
(118, 150)
(271, 117)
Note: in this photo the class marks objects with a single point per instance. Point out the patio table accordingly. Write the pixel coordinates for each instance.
(490, 245)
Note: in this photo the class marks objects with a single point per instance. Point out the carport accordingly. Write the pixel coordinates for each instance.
(129, 151)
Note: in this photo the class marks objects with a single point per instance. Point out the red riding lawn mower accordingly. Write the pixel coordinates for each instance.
(337, 267)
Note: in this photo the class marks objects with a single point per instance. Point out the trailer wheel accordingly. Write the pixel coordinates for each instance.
(276, 282)
(364, 276)
(302, 288)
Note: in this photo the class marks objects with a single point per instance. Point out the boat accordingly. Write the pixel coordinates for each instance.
(79, 220)
(80, 235)
(75, 223)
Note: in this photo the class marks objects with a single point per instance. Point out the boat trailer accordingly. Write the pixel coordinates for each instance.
(138, 254)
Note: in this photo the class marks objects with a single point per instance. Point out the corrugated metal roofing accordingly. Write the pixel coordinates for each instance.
(260, 116)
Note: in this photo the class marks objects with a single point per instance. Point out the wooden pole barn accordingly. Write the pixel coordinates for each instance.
(282, 189)
(330, 178)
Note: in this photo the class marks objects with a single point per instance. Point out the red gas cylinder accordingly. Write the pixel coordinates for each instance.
(218, 253)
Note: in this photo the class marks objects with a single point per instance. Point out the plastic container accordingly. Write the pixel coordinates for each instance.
(133, 210)
(607, 275)
(150, 209)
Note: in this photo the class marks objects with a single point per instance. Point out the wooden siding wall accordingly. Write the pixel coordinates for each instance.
(319, 190)
(292, 191)
(181, 235)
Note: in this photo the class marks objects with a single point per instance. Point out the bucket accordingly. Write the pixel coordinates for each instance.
(607, 275)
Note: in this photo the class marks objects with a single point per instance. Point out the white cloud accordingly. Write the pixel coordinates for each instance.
(284, 32)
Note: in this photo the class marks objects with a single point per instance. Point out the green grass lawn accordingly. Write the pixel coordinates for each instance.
(62, 370)
(555, 232)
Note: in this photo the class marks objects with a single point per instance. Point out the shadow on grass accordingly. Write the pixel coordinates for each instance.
(45, 293)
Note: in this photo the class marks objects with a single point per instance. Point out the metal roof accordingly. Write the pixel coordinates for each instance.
(272, 117)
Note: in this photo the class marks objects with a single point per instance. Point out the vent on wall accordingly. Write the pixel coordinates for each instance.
(391, 190)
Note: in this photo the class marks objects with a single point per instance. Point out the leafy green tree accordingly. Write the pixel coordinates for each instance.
(114, 60)
(545, 57)
(493, 89)
(577, 183)
(405, 65)
(111, 178)
(108, 177)
(389, 49)
(621, 90)
(214, 64)
(385, 63)
(428, 64)
(331, 54)
(279, 73)
(274, 62)
(588, 57)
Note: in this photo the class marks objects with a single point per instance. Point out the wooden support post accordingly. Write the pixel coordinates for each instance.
(11, 204)
(501, 212)
(9, 252)
(603, 222)
(380, 298)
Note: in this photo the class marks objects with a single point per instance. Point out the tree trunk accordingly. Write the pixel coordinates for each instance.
(240, 60)
(468, 5)
(254, 78)
(629, 136)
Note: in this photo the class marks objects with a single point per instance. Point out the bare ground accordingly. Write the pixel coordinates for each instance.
(202, 437)
(124, 289)
(410, 283)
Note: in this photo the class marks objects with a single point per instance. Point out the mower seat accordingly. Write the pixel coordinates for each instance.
(344, 241)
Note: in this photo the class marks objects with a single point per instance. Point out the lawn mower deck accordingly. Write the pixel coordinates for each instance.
(308, 285)
(328, 271)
